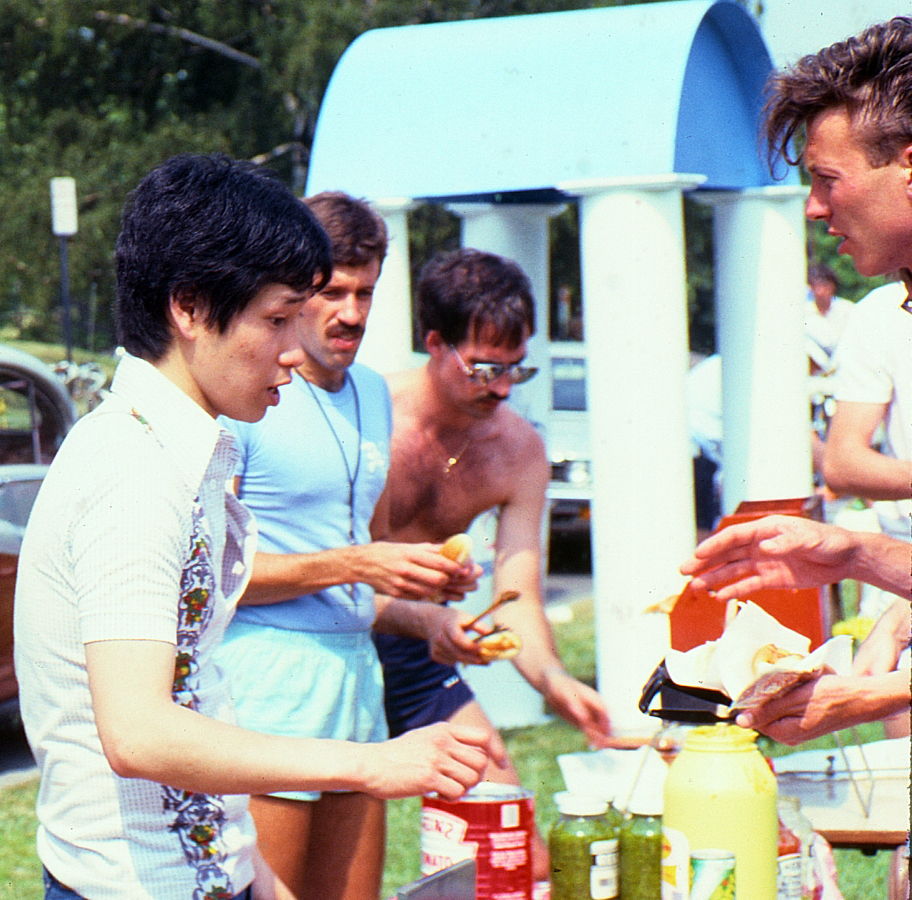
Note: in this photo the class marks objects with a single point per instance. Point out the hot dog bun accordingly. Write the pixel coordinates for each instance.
(457, 548)
(499, 645)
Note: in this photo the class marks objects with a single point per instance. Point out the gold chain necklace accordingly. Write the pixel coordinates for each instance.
(453, 460)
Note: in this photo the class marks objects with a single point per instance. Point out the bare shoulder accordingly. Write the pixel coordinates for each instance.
(518, 435)
(515, 462)
(402, 384)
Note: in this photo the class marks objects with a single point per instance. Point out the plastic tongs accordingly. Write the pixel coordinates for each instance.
(713, 706)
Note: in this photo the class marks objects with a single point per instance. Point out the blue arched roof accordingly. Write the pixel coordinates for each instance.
(519, 105)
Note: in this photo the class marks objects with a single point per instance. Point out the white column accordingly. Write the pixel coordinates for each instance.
(635, 326)
(387, 344)
(760, 288)
(520, 232)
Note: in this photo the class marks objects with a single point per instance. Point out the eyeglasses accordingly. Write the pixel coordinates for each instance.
(485, 372)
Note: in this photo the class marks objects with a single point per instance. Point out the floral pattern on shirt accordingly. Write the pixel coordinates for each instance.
(198, 818)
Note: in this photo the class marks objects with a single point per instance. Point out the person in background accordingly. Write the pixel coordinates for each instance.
(869, 445)
(825, 316)
(135, 556)
(459, 450)
(299, 651)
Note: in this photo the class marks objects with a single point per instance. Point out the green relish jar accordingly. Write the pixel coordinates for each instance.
(640, 857)
(583, 844)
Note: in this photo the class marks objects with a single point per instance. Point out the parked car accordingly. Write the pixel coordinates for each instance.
(35, 414)
(569, 453)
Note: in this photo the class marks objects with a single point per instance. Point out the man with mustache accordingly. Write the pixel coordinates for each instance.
(299, 650)
(459, 450)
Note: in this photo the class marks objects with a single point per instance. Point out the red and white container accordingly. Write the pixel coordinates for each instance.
(492, 824)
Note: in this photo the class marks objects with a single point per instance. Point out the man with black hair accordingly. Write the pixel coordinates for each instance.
(135, 555)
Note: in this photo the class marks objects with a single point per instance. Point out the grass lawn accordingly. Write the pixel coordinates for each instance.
(534, 751)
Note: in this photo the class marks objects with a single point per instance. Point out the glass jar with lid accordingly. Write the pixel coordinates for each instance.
(583, 844)
(641, 848)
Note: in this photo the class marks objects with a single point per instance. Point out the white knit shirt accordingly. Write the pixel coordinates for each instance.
(133, 537)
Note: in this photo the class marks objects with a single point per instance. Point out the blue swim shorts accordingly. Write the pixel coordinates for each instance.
(305, 684)
(418, 691)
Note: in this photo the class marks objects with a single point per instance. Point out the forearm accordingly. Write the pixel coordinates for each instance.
(407, 618)
(539, 657)
(864, 472)
(281, 576)
(174, 745)
(881, 649)
(851, 465)
(883, 562)
(877, 698)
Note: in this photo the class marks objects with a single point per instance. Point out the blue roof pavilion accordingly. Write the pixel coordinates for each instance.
(522, 104)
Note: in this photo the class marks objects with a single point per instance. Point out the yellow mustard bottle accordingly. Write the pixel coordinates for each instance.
(720, 795)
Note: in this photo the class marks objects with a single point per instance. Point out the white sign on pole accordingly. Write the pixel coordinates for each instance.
(63, 206)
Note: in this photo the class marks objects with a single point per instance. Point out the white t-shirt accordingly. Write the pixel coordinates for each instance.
(874, 365)
(133, 537)
(823, 330)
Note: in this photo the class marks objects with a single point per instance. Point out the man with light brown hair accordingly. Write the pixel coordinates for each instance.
(845, 113)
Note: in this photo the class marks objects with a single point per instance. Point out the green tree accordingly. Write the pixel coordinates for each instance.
(102, 99)
(102, 91)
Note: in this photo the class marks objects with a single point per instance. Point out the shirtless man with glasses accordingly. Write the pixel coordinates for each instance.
(459, 450)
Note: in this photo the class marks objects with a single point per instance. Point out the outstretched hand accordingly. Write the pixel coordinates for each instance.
(579, 704)
(809, 710)
(772, 552)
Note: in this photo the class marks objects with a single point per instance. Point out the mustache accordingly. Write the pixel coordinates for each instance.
(346, 332)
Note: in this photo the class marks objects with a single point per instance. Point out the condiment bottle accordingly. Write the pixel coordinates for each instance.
(720, 794)
(641, 848)
(788, 876)
(790, 813)
(583, 845)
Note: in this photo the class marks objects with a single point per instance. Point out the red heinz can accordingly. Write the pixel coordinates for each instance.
(492, 824)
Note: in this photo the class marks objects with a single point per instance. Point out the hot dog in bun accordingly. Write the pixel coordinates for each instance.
(500, 644)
